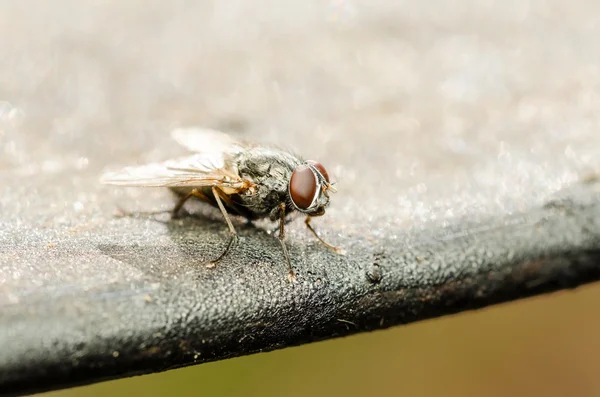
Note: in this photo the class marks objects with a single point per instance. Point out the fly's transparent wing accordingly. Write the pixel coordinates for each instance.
(207, 141)
(193, 171)
(211, 165)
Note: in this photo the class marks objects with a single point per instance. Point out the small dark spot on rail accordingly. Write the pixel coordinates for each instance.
(374, 273)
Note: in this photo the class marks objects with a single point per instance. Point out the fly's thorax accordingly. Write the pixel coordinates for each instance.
(266, 162)
(270, 170)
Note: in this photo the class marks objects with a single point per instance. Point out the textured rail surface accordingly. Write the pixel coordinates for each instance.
(464, 139)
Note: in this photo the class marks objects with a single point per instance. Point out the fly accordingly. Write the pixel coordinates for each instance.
(239, 178)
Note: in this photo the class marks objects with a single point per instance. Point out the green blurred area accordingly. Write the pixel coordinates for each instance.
(544, 346)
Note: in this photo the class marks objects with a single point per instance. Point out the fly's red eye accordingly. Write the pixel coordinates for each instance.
(321, 169)
(303, 186)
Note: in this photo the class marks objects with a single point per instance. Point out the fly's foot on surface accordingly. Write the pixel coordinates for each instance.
(233, 240)
(292, 277)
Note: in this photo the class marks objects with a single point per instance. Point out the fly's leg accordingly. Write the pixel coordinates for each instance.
(174, 212)
(194, 193)
(229, 202)
(292, 275)
(288, 220)
(325, 243)
(121, 213)
(219, 195)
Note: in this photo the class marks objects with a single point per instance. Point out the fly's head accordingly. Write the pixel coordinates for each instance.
(309, 188)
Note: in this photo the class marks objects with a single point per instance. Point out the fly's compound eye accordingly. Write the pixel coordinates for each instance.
(303, 187)
(321, 169)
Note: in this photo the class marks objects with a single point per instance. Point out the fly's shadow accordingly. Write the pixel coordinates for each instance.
(194, 239)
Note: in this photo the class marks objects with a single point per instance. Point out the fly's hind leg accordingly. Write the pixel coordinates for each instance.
(194, 193)
(325, 243)
(174, 212)
(219, 196)
(121, 213)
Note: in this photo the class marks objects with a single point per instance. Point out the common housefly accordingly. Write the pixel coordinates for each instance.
(239, 178)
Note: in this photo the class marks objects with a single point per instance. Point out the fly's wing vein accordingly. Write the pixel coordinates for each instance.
(211, 165)
(193, 171)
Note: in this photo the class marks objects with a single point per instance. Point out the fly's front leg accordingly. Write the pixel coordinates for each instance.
(292, 275)
(218, 193)
(288, 220)
(325, 243)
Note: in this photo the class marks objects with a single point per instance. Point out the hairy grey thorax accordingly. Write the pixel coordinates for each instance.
(270, 170)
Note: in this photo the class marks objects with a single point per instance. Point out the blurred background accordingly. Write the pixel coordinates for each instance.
(462, 107)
